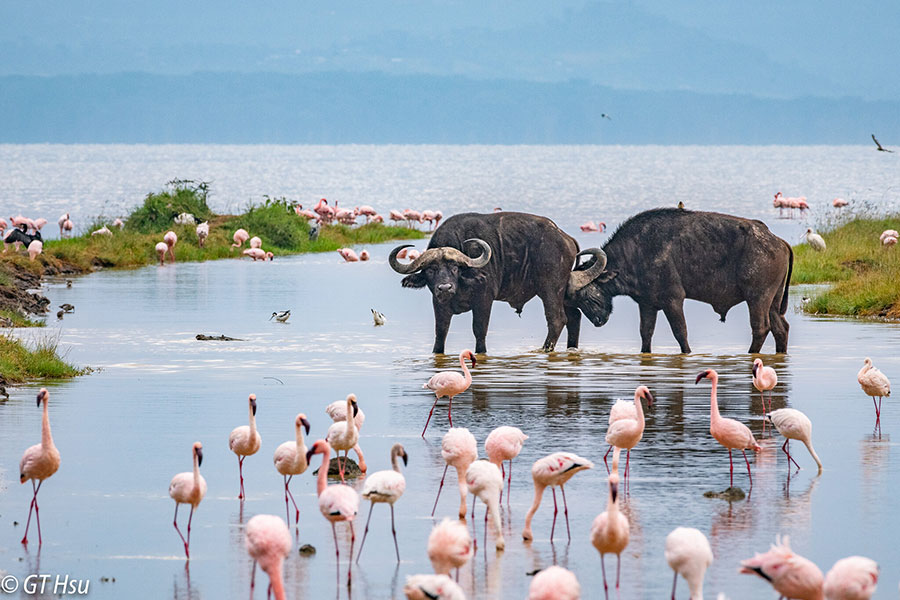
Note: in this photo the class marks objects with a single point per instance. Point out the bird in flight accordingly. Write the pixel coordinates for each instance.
(605, 116)
(880, 147)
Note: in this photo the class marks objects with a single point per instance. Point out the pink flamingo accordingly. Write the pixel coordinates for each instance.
(459, 450)
(432, 587)
(337, 411)
(610, 531)
(504, 443)
(364, 255)
(764, 380)
(202, 233)
(851, 578)
(378, 219)
(188, 488)
(310, 215)
(245, 441)
(622, 409)
(449, 546)
(385, 486)
(591, 227)
(39, 223)
(255, 242)
(839, 203)
(449, 384)
(171, 239)
(728, 432)
(68, 226)
(325, 212)
(3, 226)
(255, 253)
(38, 463)
(688, 554)
(120, 223)
(367, 211)
(268, 542)
(348, 254)
(343, 435)
(290, 460)
(161, 249)
(484, 480)
(396, 216)
(553, 470)
(624, 430)
(889, 241)
(412, 216)
(337, 502)
(61, 222)
(888, 233)
(35, 248)
(794, 425)
(438, 215)
(874, 383)
(428, 216)
(792, 575)
(554, 583)
(240, 236)
(413, 254)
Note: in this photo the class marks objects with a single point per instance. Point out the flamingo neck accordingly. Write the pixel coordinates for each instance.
(394, 463)
(196, 470)
(639, 408)
(351, 418)
(713, 400)
(301, 449)
(463, 489)
(696, 586)
(46, 436)
(322, 481)
(812, 452)
(252, 422)
(465, 369)
(276, 580)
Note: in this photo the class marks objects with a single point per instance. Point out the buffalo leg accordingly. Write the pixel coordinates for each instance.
(555, 313)
(648, 325)
(481, 317)
(442, 316)
(675, 314)
(573, 326)
(759, 325)
(780, 330)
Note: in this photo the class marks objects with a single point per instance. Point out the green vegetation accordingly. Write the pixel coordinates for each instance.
(11, 318)
(159, 210)
(865, 274)
(19, 363)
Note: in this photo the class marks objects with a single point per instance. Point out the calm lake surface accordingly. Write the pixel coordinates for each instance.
(126, 429)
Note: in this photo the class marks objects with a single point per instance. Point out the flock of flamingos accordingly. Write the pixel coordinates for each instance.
(268, 540)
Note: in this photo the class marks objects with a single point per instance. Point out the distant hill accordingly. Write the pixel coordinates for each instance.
(341, 107)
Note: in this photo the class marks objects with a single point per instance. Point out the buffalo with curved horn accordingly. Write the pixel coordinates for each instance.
(520, 256)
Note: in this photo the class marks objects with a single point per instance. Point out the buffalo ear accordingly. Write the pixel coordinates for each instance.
(415, 280)
(606, 276)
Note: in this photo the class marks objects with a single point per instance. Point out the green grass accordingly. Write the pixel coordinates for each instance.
(865, 274)
(19, 362)
(17, 320)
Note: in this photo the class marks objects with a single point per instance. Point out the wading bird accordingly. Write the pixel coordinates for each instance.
(344, 435)
(338, 502)
(504, 443)
(459, 449)
(337, 411)
(38, 463)
(240, 236)
(188, 488)
(34, 249)
(874, 383)
(290, 460)
(268, 542)
(794, 425)
(851, 578)
(689, 555)
(202, 233)
(553, 470)
(610, 531)
(728, 432)
(385, 486)
(449, 384)
(484, 480)
(432, 587)
(449, 546)
(554, 583)
(245, 441)
(792, 575)
(255, 242)
(171, 239)
(282, 316)
(764, 380)
(626, 430)
(161, 249)
(378, 318)
(815, 241)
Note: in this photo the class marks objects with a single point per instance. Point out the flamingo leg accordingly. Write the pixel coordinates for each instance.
(428, 420)
(352, 540)
(744, 452)
(674, 583)
(608, 450)
(508, 482)
(731, 462)
(439, 490)
(337, 551)
(33, 506)
(562, 488)
(187, 547)
(787, 450)
(627, 459)
(603, 568)
(241, 473)
(473, 509)
(366, 532)
(450, 411)
(618, 568)
(175, 523)
(393, 531)
(253, 576)
(294, 502)
(555, 510)
(502, 479)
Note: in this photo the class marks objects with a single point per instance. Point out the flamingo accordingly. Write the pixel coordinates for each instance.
(438, 215)
(367, 211)
(610, 531)
(35, 248)
(428, 215)
(413, 254)
(255, 242)
(290, 460)
(188, 488)
(851, 578)
(202, 233)
(119, 223)
(432, 587)
(268, 542)
(3, 226)
(485, 481)
(889, 241)
(839, 203)
(325, 212)
(764, 380)
(161, 249)
(815, 241)
(622, 409)
(794, 425)
(171, 239)
(39, 223)
(874, 383)
(61, 222)
(68, 226)
(344, 435)
(449, 546)
(255, 253)
(385, 486)
(348, 254)
(310, 215)
(728, 432)
(888, 233)
(504, 443)
(240, 236)
(364, 255)
(688, 554)
(792, 575)
(553, 470)
(450, 384)
(554, 583)
(105, 231)
(378, 219)
(38, 463)
(337, 411)
(591, 227)
(396, 216)
(625, 432)
(459, 449)
(245, 441)
(338, 502)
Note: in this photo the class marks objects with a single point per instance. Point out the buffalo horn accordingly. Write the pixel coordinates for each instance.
(482, 260)
(442, 253)
(579, 279)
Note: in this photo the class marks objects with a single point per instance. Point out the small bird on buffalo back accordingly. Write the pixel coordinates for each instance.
(282, 316)
(378, 318)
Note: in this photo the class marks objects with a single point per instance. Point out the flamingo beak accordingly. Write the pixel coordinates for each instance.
(305, 424)
(405, 458)
(199, 452)
(649, 397)
(309, 453)
(702, 375)
(614, 490)
(355, 407)
(253, 406)
(472, 358)
(41, 396)
(755, 368)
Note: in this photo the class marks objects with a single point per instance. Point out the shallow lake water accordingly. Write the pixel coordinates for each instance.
(126, 429)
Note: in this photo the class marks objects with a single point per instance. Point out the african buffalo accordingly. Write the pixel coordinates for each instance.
(662, 256)
(520, 256)
(18, 235)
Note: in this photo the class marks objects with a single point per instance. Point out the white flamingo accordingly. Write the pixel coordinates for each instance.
(245, 441)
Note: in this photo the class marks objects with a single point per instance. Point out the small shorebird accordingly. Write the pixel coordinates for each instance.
(282, 316)
(378, 317)
(67, 307)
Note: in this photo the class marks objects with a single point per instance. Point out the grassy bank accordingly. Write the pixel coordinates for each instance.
(19, 362)
(866, 275)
